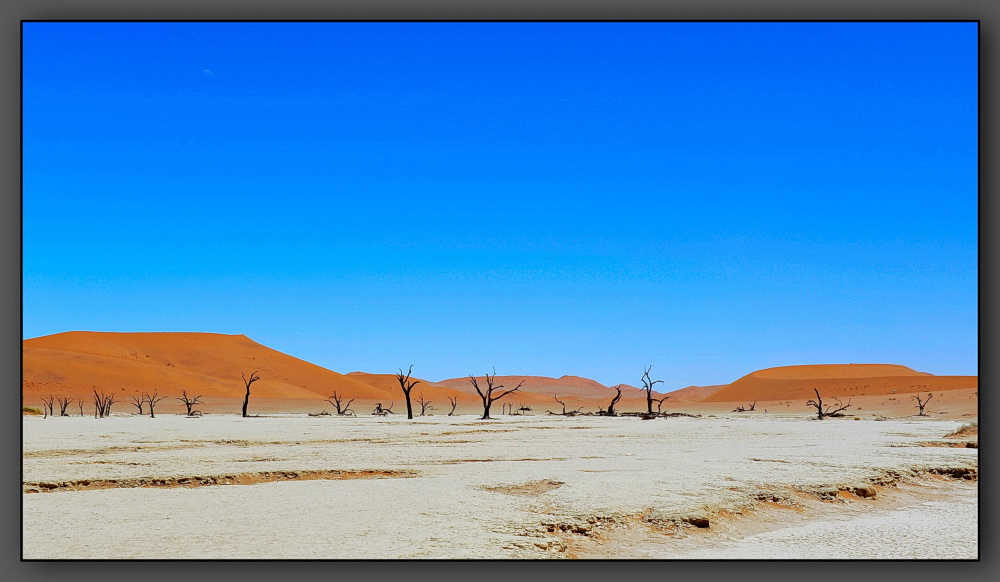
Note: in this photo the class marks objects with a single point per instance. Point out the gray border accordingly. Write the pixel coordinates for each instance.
(15, 10)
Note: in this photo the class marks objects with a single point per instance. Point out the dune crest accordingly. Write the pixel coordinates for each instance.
(209, 364)
(835, 380)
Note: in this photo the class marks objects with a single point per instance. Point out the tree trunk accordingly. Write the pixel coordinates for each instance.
(246, 401)
(409, 407)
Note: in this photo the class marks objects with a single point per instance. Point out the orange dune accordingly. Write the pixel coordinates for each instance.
(694, 393)
(390, 385)
(835, 380)
(565, 387)
(76, 363)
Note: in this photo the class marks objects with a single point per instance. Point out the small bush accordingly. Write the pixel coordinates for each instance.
(966, 430)
(29, 410)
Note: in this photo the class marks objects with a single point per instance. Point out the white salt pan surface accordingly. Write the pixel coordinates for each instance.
(666, 468)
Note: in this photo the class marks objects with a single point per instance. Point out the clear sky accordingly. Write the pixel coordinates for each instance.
(548, 199)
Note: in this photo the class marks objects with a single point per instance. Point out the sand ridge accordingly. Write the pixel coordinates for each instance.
(836, 380)
(210, 365)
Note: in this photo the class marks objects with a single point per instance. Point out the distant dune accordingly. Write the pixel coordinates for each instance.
(126, 364)
(75, 363)
(573, 390)
(694, 393)
(835, 380)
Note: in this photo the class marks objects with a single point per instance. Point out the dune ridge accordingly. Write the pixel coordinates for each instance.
(835, 380)
(208, 364)
(76, 363)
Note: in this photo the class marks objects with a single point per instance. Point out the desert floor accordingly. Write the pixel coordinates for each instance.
(721, 486)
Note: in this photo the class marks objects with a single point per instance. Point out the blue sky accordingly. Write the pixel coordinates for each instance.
(545, 198)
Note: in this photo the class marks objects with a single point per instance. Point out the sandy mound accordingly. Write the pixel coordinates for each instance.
(76, 363)
(837, 380)
(566, 387)
(835, 371)
(694, 393)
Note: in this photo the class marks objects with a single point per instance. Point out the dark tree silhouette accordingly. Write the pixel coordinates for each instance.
(659, 404)
(342, 408)
(189, 402)
(647, 385)
(64, 403)
(102, 404)
(379, 411)
(487, 396)
(407, 385)
(922, 403)
(138, 402)
(454, 403)
(618, 396)
(246, 399)
(829, 410)
(564, 413)
(47, 406)
(152, 400)
(425, 405)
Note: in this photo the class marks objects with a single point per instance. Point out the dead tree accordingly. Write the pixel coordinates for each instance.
(63, 404)
(522, 409)
(102, 404)
(922, 404)
(618, 396)
(454, 403)
(407, 385)
(425, 405)
(47, 407)
(742, 408)
(152, 400)
(487, 396)
(379, 411)
(189, 402)
(564, 413)
(138, 402)
(80, 402)
(659, 404)
(647, 385)
(246, 399)
(829, 410)
(338, 401)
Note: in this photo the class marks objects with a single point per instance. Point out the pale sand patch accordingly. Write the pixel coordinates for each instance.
(664, 472)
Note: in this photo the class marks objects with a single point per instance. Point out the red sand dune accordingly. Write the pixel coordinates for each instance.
(835, 380)
(565, 387)
(694, 393)
(75, 363)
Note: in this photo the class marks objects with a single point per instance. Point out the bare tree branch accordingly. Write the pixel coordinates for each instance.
(138, 402)
(922, 403)
(47, 406)
(647, 385)
(407, 385)
(189, 402)
(488, 397)
(246, 399)
(828, 410)
(338, 401)
(425, 405)
(152, 400)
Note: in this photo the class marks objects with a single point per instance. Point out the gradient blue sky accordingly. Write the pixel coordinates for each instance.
(544, 198)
